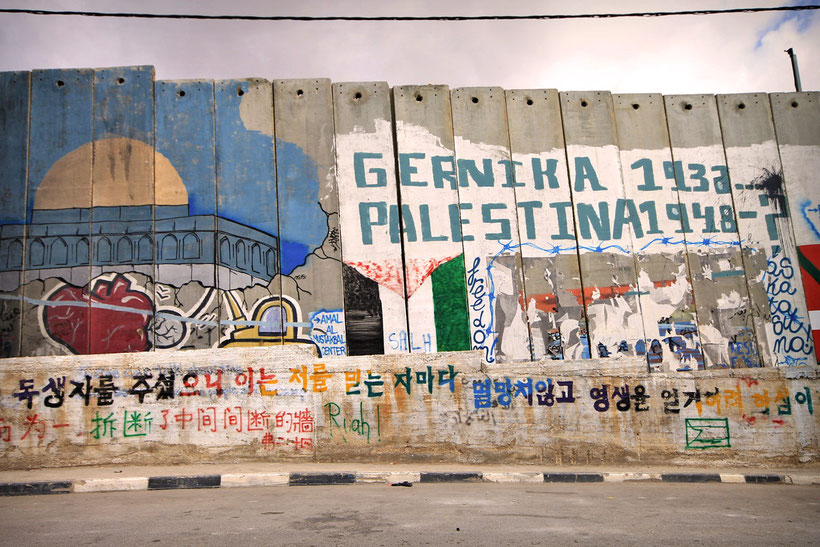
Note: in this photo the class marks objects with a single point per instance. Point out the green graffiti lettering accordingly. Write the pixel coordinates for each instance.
(626, 213)
(440, 175)
(648, 175)
(456, 222)
(585, 171)
(367, 222)
(358, 170)
(486, 216)
(406, 222)
(648, 207)
(509, 171)
(562, 210)
(598, 220)
(539, 173)
(426, 233)
(467, 170)
(529, 217)
(406, 171)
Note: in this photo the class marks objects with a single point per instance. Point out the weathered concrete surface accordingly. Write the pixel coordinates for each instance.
(797, 124)
(664, 286)
(368, 212)
(778, 303)
(305, 176)
(433, 252)
(489, 224)
(708, 225)
(185, 138)
(59, 171)
(552, 279)
(283, 403)
(15, 88)
(605, 247)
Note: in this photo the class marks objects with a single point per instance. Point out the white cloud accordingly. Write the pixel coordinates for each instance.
(688, 54)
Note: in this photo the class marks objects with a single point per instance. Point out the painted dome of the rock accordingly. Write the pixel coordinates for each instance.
(122, 177)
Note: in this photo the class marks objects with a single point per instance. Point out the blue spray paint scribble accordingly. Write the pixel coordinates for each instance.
(792, 332)
(805, 207)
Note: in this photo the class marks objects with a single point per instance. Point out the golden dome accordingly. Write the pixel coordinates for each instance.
(122, 176)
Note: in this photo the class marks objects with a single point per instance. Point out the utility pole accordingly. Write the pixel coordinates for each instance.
(795, 70)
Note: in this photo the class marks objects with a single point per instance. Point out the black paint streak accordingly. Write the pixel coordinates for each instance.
(34, 488)
(770, 182)
(363, 314)
(313, 479)
(168, 483)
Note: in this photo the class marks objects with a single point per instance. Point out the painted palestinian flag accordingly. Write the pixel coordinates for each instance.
(809, 257)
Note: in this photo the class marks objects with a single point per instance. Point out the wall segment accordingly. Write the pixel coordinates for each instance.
(355, 219)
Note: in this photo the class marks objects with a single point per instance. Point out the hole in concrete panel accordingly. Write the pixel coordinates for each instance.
(687, 106)
(584, 104)
(357, 95)
(636, 106)
(299, 92)
(474, 99)
(419, 98)
(741, 106)
(239, 91)
(794, 104)
(120, 81)
(529, 101)
(181, 92)
(60, 83)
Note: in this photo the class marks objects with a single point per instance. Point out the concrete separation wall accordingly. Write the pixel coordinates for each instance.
(356, 219)
(284, 403)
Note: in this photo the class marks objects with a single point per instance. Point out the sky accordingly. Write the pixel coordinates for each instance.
(672, 55)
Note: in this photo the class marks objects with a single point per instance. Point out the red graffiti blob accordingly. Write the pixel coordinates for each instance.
(388, 273)
(115, 322)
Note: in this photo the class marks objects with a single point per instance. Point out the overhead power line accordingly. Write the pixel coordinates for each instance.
(406, 17)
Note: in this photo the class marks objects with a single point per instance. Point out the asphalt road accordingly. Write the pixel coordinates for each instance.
(424, 514)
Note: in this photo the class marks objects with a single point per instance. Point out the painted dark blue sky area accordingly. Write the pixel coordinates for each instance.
(185, 135)
(303, 224)
(61, 120)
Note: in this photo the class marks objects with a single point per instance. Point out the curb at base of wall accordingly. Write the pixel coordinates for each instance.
(393, 478)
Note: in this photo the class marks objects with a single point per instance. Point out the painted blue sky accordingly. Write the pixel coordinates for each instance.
(687, 54)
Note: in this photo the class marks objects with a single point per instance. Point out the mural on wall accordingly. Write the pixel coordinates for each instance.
(140, 215)
(796, 119)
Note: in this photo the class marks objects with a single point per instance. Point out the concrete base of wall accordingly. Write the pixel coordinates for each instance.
(283, 403)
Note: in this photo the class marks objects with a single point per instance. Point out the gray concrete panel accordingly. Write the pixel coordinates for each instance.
(309, 207)
(664, 286)
(492, 253)
(15, 101)
(604, 238)
(708, 224)
(428, 190)
(797, 124)
(59, 171)
(778, 303)
(375, 297)
(185, 296)
(552, 278)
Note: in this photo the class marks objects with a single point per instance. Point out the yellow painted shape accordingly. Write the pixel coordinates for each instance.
(123, 175)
